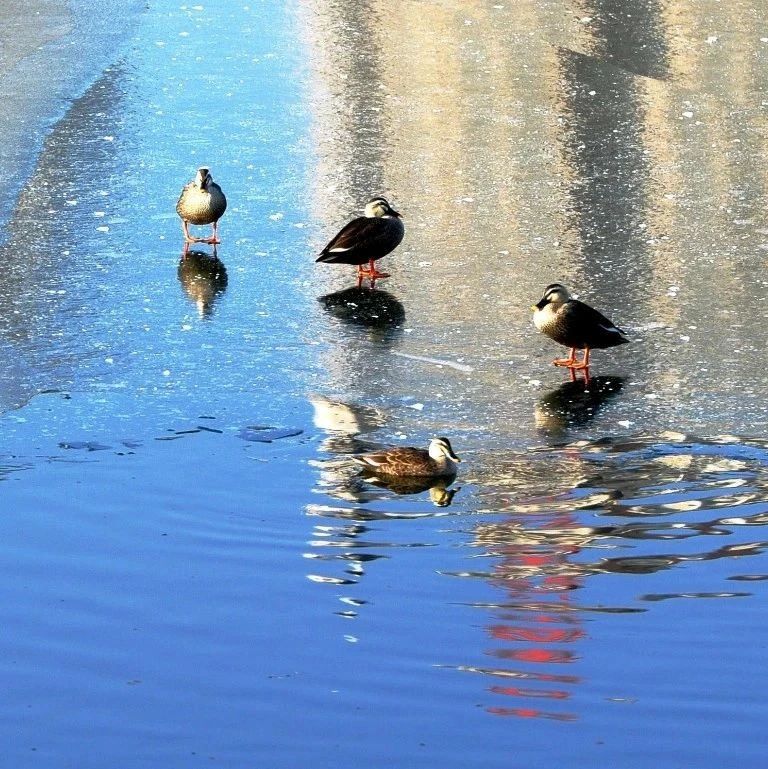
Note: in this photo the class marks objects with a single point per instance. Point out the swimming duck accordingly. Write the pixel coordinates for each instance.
(366, 239)
(201, 202)
(575, 325)
(438, 461)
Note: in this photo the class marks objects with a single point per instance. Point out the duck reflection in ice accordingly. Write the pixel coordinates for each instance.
(367, 307)
(203, 277)
(343, 423)
(575, 403)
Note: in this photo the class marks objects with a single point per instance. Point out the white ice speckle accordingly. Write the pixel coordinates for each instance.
(685, 338)
(687, 113)
(625, 423)
(351, 639)
(416, 406)
(585, 19)
(425, 264)
(712, 39)
(276, 217)
(764, 39)
(593, 93)
(99, 213)
(109, 360)
(103, 228)
(109, 138)
(166, 372)
(186, 327)
(72, 202)
(183, 34)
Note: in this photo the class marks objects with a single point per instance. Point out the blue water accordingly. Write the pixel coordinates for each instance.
(194, 572)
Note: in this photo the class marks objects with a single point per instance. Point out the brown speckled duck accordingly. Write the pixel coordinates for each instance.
(438, 461)
(575, 325)
(366, 239)
(201, 202)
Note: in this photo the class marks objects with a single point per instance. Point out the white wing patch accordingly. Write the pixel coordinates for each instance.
(367, 461)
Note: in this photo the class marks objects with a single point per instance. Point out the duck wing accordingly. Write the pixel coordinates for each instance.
(180, 202)
(364, 238)
(593, 328)
(399, 461)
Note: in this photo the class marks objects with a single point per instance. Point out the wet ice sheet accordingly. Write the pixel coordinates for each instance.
(175, 587)
(527, 143)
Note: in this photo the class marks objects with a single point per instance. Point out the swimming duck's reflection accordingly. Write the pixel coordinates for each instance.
(367, 307)
(439, 491)
(574, 403)
(203, 277)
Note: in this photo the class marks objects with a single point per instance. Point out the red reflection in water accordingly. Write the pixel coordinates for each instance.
(506, 633)
(514, 691)
(537, 576)
(531, 713)
(534, 655)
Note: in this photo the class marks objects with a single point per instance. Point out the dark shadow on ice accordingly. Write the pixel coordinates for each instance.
(367, 307)
(203, 277)
(574, 403)
(630, 35)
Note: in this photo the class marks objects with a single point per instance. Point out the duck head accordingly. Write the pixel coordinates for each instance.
(379, 206)
(203, 178)
(440, 448)
(555, 294)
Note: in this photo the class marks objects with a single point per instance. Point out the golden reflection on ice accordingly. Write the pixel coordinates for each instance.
(592, 142)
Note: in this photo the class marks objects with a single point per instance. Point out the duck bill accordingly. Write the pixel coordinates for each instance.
(394, 213)
(539, 305)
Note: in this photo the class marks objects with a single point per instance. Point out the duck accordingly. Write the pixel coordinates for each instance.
(574, 324)
(201, 202)
(366, 239)
(437, 461)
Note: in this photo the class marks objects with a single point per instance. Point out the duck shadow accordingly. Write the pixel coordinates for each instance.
(367, 307)
(575, 403)
(203, 277)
